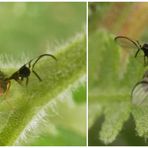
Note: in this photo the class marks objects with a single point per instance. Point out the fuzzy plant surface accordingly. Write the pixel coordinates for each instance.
(112, 76)
(50, 112)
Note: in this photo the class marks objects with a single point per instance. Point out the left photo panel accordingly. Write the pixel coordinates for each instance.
(43, 74)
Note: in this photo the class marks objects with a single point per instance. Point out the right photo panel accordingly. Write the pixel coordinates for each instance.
(118, 74)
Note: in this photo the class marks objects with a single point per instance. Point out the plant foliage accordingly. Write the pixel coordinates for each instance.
(47, 112)
(112, 75)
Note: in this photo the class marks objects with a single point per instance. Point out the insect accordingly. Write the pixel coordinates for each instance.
(126, 42)
(21, 74)
(25, 71)
(139, 93)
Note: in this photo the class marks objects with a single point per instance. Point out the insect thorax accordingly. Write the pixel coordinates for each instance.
(24, 71)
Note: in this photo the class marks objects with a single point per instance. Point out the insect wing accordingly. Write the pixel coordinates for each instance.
(129, 44)
(140, 93)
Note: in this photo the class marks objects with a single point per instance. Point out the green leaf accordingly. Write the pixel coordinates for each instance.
(32, 106)
(112, 75)
(115, 116)
(140, 114)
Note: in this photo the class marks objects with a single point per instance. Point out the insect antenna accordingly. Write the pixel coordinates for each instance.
(50, 55)
(26, 69)
(136, 43)
(33, 65)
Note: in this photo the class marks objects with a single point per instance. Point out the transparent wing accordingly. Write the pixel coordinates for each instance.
(127, 43)
(140, 93)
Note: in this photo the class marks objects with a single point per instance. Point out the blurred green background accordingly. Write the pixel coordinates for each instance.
(30, 28)
(107, 20)
(126, 18)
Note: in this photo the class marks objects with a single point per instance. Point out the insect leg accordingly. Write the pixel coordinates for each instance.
(37, 61)
(33, 65)
(37, 75)
(137, 52)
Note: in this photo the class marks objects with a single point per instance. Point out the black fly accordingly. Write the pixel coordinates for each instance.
(19, 75)
(26, 69)
(126, 42)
